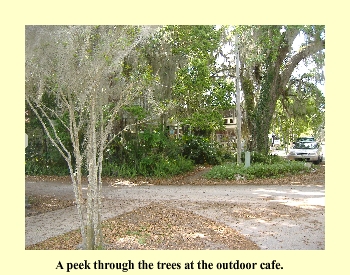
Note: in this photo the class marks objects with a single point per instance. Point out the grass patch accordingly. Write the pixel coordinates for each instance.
(232, 171)
(140, 234)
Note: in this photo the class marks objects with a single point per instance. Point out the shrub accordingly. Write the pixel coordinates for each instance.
(201, 150)
(166, 167)
(35, 168)
(259, 170)
(256, 157)
(150, 166)
(225, 171)
(151, 153)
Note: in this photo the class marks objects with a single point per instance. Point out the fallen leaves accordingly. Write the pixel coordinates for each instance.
(39, 204)
(164, 226)
(236, 210)
(158, 227)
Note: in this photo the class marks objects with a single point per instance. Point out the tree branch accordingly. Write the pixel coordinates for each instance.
(60, 149)
(306, 51)
(57, 116)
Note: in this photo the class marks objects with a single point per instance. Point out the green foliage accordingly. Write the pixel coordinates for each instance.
(268, 66)
(199, 97)
(38, 167)
(193, 39)
(201, 150)
(153, 166)
(300, 111)
(150, 153)
(258, 170)
(136, 111)
(257, 157)
(163, 166)
(41, 157)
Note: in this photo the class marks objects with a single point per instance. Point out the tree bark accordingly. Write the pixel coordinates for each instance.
(274, 83)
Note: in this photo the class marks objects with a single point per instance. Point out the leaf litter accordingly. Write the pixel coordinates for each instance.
(163, 226)
(157, 227)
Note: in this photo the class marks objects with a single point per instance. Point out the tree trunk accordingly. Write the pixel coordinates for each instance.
(271, 90)
(279, 65)
(93, 236)
(249, 105)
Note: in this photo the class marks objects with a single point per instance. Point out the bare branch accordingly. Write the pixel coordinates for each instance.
(57, 116)
(60, 149)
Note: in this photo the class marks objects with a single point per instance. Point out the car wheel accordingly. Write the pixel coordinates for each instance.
(317, 161)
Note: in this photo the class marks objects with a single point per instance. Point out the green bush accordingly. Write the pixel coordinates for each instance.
(150, 153)
(256, 157)
(259, 170)
(201, 150)
(36, 168)
(166, 167)
(151, 166)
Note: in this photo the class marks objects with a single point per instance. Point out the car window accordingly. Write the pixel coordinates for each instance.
(306, 145)
(305, 139)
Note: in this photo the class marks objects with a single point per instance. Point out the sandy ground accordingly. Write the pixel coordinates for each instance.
(275, 217)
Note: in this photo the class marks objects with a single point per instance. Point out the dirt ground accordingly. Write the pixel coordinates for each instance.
(166, 224)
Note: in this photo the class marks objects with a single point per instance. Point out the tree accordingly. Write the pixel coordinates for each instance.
(267, 64)
(91, 72)
(201, 95)
(300, 111)
(274, 72)
(184, 58)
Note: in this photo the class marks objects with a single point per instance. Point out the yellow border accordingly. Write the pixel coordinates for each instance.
(17, 14)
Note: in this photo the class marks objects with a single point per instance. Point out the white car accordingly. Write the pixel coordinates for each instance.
(306, 139)
(307, 151)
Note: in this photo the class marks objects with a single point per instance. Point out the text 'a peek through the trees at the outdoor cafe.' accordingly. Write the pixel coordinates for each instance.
(144, 265)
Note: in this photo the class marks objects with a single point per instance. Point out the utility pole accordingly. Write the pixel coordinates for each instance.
(238, 104)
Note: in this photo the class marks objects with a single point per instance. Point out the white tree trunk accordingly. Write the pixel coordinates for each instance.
(79, 60)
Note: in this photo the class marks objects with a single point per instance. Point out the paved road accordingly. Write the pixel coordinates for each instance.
(275, 217)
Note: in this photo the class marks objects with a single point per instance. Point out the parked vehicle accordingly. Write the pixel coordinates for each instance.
(306, 139)
(307, 151)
